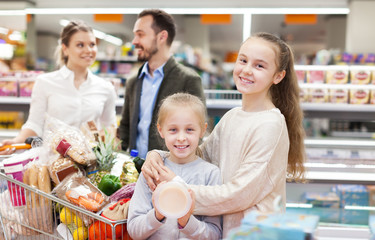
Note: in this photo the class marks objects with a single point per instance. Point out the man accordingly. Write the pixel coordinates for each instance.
(159, 77)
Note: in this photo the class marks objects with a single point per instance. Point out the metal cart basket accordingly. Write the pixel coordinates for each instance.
(21, 218)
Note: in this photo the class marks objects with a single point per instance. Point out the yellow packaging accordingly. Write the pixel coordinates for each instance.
(338, 95)
(372, 97)
(360, 76)
(304, 95)
(359, 96)
(318, 95)
(337, 76)
(315, 76)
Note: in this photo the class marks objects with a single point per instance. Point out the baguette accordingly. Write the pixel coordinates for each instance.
(44, 180)
(26, 177)
(33, 181)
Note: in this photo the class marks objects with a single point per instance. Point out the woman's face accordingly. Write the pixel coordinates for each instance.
(81, 51)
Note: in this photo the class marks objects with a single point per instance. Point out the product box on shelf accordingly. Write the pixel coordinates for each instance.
(359, 96)
(352, 195)
(360, 76)
(26, 86)
(371, 225)
(315, 76)
(301, 75)
(318, 95)
(337, 76)
(324, 199)
(371, 195)
(372, 96)
(338, 95)
(8, 87)
(292, 226)
(354, 216)
(304, 94)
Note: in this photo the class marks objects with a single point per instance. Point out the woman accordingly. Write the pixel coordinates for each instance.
(72, 94)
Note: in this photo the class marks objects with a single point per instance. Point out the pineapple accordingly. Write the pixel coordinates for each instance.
(106, 156)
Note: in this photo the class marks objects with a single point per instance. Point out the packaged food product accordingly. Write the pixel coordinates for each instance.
(372, 96)
(77, 189)
(338, 95)
(26, 86)
(315, 76)
(359, 96)
(62, 167)
(8, 87)
(318, 95)
(324, 199)
(304, 95)
(67, 141)
(15, 167)
(358, 76)
(301, 74)
(172, 199)
(291, 226)
(337, 76)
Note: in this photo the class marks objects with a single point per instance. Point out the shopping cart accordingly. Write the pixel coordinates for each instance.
(28, 213)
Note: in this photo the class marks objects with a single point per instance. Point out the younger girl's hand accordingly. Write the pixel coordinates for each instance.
(185, 219)
(158, 215)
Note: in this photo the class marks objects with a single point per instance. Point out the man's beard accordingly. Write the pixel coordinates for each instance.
(147, 54)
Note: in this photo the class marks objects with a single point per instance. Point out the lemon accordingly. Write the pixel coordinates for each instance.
(78, 221)
(66, 216)
(80, 233)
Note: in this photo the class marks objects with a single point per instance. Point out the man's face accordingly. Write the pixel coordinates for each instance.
(145, 39)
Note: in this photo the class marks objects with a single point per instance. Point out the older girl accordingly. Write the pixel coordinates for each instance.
(256, 146)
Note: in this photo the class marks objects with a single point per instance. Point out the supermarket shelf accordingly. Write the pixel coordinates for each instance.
(341, 233)
(339, 143)
(353, 134)
(217, 107)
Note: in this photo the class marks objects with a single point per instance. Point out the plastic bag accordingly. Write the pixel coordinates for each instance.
(67, 141)
(78, 190)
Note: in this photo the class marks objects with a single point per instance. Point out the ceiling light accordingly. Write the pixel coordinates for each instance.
(12, 12)
(49, 11)
(98, 34)
(114, 40)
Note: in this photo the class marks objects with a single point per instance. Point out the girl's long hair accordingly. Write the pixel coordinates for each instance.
(285, 96)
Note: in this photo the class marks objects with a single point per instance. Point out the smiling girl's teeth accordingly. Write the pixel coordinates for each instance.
(247, 81)
(181, 147)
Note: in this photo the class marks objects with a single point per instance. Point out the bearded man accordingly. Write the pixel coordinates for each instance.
(160, 76)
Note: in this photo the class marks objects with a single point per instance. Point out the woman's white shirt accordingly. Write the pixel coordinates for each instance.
(54, 93)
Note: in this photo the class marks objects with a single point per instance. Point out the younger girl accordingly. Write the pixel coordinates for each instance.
(257, 145)
(181, 123)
